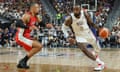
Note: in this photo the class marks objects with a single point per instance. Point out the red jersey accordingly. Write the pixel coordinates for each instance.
(32, 22)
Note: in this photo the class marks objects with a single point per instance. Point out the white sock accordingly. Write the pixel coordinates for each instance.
(98, 60)
(93, 52)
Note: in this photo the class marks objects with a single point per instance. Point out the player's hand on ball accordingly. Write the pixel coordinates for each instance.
(72, 41)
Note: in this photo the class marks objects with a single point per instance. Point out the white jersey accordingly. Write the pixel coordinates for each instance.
(81, 28)
(82, 31)
(79, 24)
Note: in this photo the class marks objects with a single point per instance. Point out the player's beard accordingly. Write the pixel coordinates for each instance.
(77, 14)
(36, 13)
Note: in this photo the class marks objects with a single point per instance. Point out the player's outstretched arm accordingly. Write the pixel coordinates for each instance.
(90, 22)
(66, 26)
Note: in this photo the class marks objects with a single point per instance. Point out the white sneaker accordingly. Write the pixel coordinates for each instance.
(100, 67)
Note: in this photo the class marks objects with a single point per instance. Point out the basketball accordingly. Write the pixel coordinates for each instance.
(49, 25)
(104, 32)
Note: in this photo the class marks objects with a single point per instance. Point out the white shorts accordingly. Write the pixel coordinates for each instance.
(23, 41)
(85, 37)
(88, 38)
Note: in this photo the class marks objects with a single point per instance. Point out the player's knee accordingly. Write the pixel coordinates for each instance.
(40, 46)
(82, 47)
(37, 45)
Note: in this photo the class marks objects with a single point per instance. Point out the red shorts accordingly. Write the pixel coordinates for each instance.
(23, 41)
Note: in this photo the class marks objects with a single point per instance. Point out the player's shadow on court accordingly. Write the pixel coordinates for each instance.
(23, 70)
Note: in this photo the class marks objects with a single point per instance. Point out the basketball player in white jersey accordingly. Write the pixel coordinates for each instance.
(79, 22)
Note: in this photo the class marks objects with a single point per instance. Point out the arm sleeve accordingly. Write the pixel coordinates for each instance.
(19, 23)
(65, 30)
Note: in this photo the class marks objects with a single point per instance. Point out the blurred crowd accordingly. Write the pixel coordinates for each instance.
(14, 9)
(64, 8)
(115, 33)
(54, 37)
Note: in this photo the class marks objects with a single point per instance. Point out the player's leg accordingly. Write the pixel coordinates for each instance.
(91, 55)
(87, 52)
(95, 43)
(36, 47)
(97, 49)
(31, 46)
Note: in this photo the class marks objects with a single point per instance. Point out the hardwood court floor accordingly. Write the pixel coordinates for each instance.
(58, 60)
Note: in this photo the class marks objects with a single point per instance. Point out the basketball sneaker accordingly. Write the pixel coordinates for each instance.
(22, 64)
(100, 67)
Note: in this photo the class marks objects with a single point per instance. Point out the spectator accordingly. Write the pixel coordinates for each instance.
(59, 18)
(5, 38)
(1, 32)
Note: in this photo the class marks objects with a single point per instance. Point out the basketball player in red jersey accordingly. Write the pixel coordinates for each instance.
(24, 26)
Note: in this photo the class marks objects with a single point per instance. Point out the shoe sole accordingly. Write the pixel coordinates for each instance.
(22, 67)
(101, 69)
